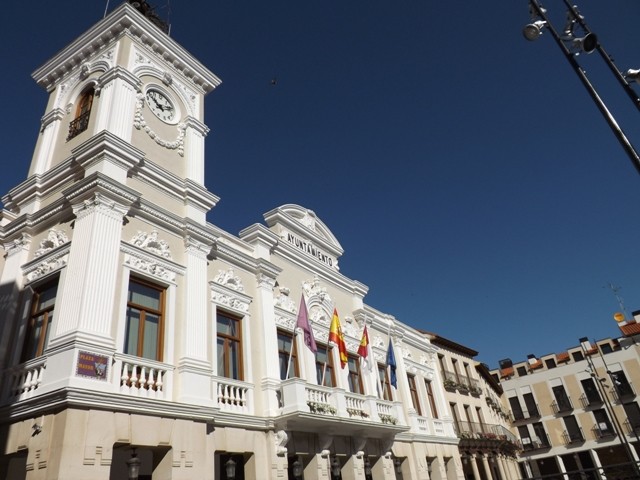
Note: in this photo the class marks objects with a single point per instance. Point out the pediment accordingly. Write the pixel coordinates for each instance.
(301, 228)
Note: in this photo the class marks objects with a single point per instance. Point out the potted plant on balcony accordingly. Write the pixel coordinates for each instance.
(389, 419)
(321, 408)
(449, 384)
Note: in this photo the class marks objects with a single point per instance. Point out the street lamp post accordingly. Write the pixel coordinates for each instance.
(571, 45)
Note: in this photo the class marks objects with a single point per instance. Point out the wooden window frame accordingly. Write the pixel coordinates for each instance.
(37, 311)
(355, 377)
(319, 366)
(294, 372)
(226, 347)
(80, 121)
(431, 398)
(384, 382)
(143, 312)
(413, 391)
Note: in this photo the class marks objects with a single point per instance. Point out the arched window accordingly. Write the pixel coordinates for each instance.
(81, 121)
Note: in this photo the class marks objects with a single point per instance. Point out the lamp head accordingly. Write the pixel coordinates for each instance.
(533, 30)
(632, 74)
(587, 44)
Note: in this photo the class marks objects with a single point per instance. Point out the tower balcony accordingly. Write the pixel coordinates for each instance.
(310, 407)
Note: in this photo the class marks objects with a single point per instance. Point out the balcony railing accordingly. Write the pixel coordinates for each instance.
(591, 400)
(79, 125)
(632, 428)
(522, 415)
(623, 392)
(142, 377)
(536, 443)
(602, 431)
(574, 436)
(562, 406)
(483, 431)
(234, 395)
(300, 398)
(22, 380)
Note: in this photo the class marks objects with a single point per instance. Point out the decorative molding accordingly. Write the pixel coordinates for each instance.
(98, 203)
(281, 438)
(53, 116)
(287, 322)
(150, 262)
(53, 260)
(14, 246)
(283, 300)
(150, 242)
(229, 280)
(140, 123)
(143, 64)
(54, 239)
(227, 297)
(265, 281)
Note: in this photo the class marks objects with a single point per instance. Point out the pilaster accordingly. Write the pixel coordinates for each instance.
(194, 369)
(117, 88)
(50, 126)
(87, 297)
(194, 149)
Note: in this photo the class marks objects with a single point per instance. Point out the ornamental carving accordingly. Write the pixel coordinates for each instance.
(140, 124)
(142, 62)
(229, 280)
(378, 342)
(283, 300)
(47, 266)
(229, 301)
(54, 239)
(16, 245)
(150, 267)
(314, 289)
(281, 439)
(151, 243)
(288, 323)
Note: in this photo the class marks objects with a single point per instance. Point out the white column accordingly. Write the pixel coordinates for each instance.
(88, 294)
(487, 469)
(501, 469)
(474, 467)
(194, 368)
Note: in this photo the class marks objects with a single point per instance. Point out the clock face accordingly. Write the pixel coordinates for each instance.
(160, 105)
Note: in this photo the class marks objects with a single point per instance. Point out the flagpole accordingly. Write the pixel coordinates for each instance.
(324, 367)
(293, 339)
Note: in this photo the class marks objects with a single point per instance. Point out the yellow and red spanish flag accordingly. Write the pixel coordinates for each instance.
(337, 338)
(364, 350)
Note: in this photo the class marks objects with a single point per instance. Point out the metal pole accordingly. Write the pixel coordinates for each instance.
(606, 57)
(613, 124)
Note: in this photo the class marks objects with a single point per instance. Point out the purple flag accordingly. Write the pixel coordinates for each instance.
(303, 323)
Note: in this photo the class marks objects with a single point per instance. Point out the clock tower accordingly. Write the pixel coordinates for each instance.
(107, 244)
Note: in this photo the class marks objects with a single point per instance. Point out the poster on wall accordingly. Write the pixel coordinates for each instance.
(92, 365)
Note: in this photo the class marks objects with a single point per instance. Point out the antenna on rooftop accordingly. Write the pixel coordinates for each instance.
(615, 291)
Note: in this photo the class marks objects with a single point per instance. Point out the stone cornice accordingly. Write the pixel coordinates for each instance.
(42, 185)
(125, 20)
(233, 256)
(106, 145)
(199, 195)
(98, 182)
(121, 73)
(29, 222)
(197, 125)
(52, 116)
(258, 233)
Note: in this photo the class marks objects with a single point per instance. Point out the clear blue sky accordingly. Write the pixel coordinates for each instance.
(472, 182)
